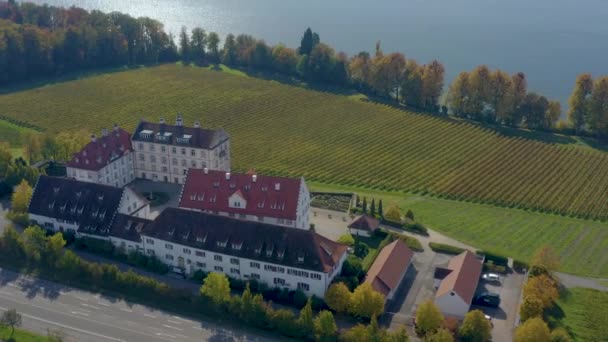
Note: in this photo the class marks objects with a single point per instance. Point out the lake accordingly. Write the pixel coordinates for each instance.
(552, 41)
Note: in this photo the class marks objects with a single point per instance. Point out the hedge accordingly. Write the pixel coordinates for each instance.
(415, 227)
(497, 259)
(519, 265)
(413, 243)
(446, 249)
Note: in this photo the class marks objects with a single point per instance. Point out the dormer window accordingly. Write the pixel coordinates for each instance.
(269, 251)
(261, 204)
(52, 205)
(201, 239)
(73, 210)
(258, 250)
(193, 197)
(100, 197)
(80, 210)
(186, 236)
(216, 184)
(265, 188)
(146, 134)
(232, 186)
(102, 215)
(222, 244)
(171, 231)
(300, 258)
(201, 197)
(237, 245)
(56, 190)
(78, 194)
(280, 253)
(185, 139)
(95, 213)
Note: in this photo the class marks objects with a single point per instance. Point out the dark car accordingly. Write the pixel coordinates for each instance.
(487, 299)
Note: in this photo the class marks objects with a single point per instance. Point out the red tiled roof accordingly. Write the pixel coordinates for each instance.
(96, 155)
(466, 269)
(385, 273)
(365, 223)
(211, 191)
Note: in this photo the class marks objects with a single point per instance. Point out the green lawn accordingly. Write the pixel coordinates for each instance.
(582, 244)
(583, 313)
(21, 335)
(372, 242)
(13, 134)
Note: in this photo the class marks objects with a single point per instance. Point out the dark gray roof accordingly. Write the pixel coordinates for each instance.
(91, 206)
(128, 227)
(258, 241)
(200, 137)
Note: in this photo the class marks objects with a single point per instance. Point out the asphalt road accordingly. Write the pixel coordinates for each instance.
(85, 316)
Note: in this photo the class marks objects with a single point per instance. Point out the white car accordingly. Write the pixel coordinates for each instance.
(491, 277)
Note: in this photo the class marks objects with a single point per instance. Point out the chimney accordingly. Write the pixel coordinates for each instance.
(162, 121)
(205, 170)
(197, 124)
(254, 178)
(277, 186)
(93, 138)
(180, 120)
(227, 175)
(116, 127)
(104, 132)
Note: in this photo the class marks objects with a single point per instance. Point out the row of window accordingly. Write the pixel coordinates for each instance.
(163, 149)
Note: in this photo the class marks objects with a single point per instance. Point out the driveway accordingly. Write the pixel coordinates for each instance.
(173, 190)
(569, 281)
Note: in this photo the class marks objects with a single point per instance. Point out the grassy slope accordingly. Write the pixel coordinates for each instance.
(584, 314)
(348, 142)
(582, 244)
(12, 133)
(21, 335)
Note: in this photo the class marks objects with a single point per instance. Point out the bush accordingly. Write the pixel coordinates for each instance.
(519, 266)
(199, 275)
(361, 249)
(415, 227)
(21, 219)
(409, 214)
(381, 233)
(489, 266)
(346, 239)
(413, 243)
(446, 249)
(497, 259)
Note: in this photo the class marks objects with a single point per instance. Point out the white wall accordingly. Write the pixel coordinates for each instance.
(118, 173)
(359, 232)
(452, 305)
(50, 223)
(132, 204)
(303, 210)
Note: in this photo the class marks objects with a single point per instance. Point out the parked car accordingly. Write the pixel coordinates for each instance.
(487, 299)
(179, 271)
(492, 277)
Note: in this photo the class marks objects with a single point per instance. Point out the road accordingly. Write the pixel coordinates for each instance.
(85, 316)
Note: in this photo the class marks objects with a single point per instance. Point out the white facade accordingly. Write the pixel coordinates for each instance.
(359, 232)
(118, 172)
(192, 259)
(170, 163)
(133, 204)
(53, 224)
(451, 304)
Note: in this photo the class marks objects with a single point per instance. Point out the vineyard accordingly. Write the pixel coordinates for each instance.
(279, 129)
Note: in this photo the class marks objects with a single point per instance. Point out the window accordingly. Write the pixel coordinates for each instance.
(187, 251)
(152, 147)
(218, 268)
(274, 268)
(231, 214)
(217, 257)
(279, 281)
(193, 153)
(174, 161)
(261, 218)
(163, 149)
(165, 169)
(150, 241)
(183, 151)
(254, 276)
(163, 160)
(298, 273)
(200, 264)
(242, 216)
(150, 252)
(315, 276)
(184, 162)
(141, 157)
(169, 257)
(168, 246)
(235, 271)
(234, 261)
(193, 163)
(140, 146)
(304, 286)
(200, 253)
(254, 264)
(153, 158)
(174, 150)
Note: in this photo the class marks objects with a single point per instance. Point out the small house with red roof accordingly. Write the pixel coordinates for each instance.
(248, 196)
(107, 160)
(457, 284)
(364, 226)
(389, 269)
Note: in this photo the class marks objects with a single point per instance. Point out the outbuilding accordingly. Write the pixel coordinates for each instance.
(364, 226)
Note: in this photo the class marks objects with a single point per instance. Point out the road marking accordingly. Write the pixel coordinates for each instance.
(173, 322)
(80, 298)
(104, 304)
(126, 310)
(90, 306)
(167, 335)
(170, 327)
(197, 328)
(183, 319)
(80, 313)
(148, 315)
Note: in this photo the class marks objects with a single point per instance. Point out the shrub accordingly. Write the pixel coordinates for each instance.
(519, 266)
(21, 219)
(299, 298)
(496, 258)
(489, 266)
(409, 214)
(381, 233)
(415, 227)
(446, 249)
(346, 239)
(361, 249)
(413, 243)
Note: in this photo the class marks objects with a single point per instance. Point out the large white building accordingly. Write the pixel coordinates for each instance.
(61, 204)
(105, 160)
(165, 152)
(278, 256)
(276, 200)
(456, 284)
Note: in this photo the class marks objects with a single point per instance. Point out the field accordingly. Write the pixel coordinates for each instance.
(21, 335)
(581, 244)
(13, 134)
(584, 314)
(280, 129)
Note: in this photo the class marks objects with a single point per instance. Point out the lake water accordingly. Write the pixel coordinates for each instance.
(552, 41)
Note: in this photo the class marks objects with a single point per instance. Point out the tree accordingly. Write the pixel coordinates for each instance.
(229, 53)
(393, 213)
(262, 55)
(479, 85)
(542, 287)
(428, 318)
(432, 85)
(501, 96)
(197, 44)
(34, 242)
(459, 95)
(387, 74)
(306, 316)
(308, 42)
(319, 65)
(475, 327)
(216, 287)
(441, 335)
(380, 209)
(284, 59)
(12, 245)
(184, 45)
(55, 335)
(534, 109)
(560, 335)
(11, 318)
(364, 205)
(533, 330)
(531, 307)
(352, 267)
(325, 327)
(597, 116)
(546, 258)
(554, 112)
(519, 91)
(338, 297)
(21, 197)
(361, 249)
(412, 85)
(54, 249)
(360, 68)
(372, 208)
(213, 43)
(579, 101)
(366, 302)
(346, 239)
(410, 214)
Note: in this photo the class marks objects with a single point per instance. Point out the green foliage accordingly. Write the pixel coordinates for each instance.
(583, 313)
(366, 302)
(216, 287)
(361, 250)
(12, 319)
(338, 297)
(325, 327)
(413, 243)
(533, 330)
(415, 227)
(519, 265)
(445, 248)
(393, 213)
(346, 239)
(306, 316)
(560, 335)
(428, 318)
(410, 215)
(489, 266)
(497, 259)
(475, 327)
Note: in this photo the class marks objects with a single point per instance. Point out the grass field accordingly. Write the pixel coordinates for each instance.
(20, 335)
(13, 134)
(289, 130)
(584, 314)
(581, 244)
